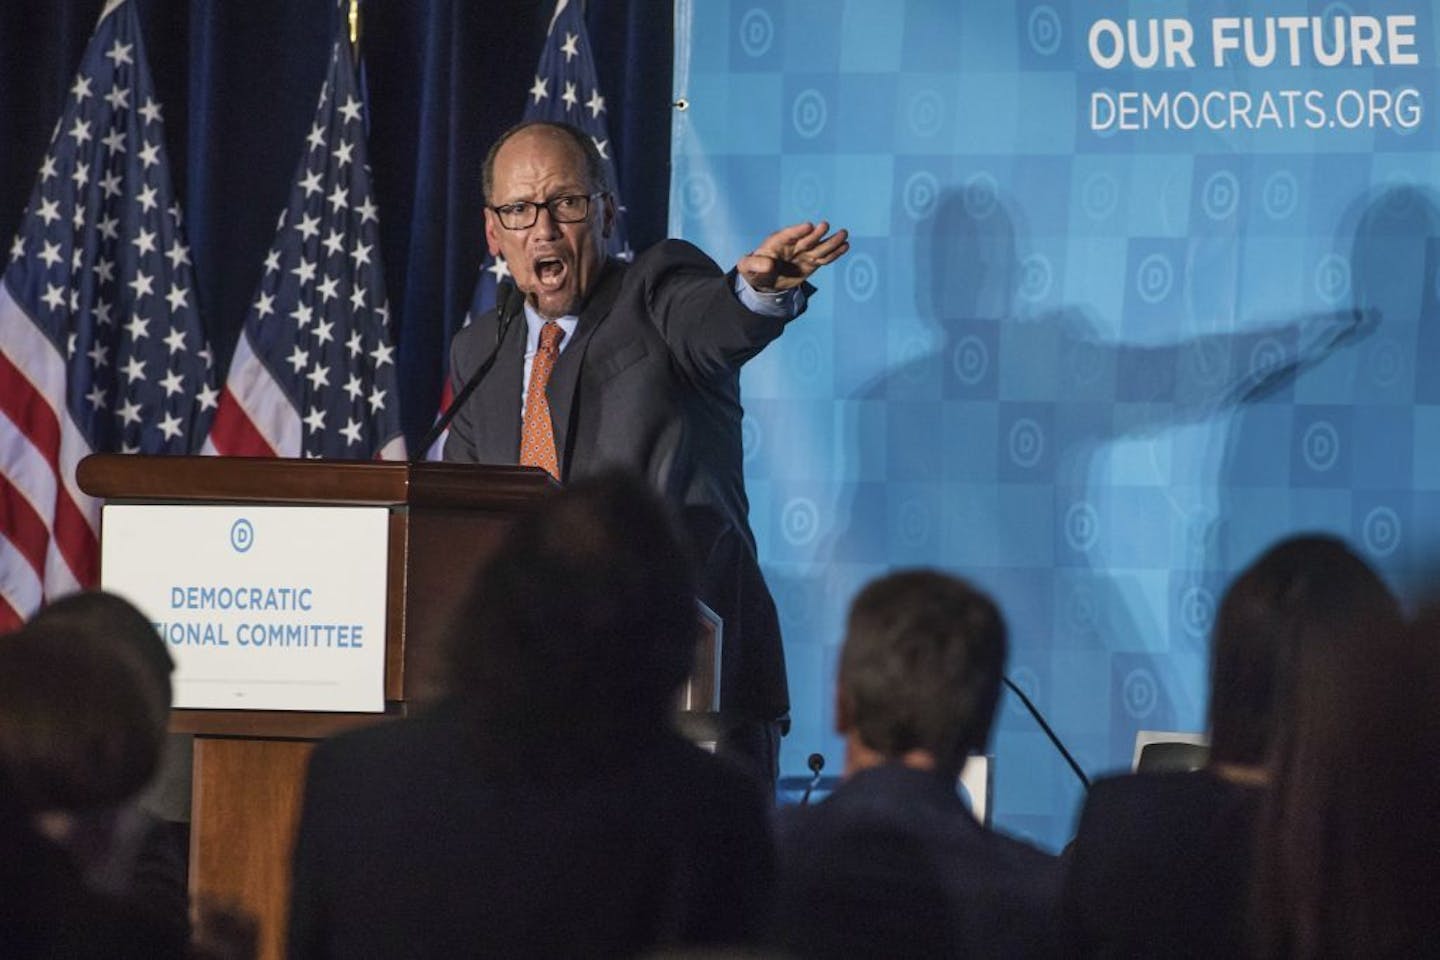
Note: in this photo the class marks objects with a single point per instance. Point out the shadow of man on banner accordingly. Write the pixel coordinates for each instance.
(1026, 448)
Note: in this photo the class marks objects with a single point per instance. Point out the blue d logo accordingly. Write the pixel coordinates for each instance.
(242, 535)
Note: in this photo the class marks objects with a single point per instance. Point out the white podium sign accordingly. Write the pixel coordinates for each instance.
(262, 608)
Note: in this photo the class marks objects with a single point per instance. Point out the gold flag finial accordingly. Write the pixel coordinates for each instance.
(354, 22)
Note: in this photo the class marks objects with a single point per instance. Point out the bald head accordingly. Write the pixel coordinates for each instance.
(559, 133)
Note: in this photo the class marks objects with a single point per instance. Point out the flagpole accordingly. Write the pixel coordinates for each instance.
(355, 25)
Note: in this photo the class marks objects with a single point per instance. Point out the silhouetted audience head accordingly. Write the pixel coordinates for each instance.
(892, 863)
(1162, 862)
(115, 621)
(1350, 838)
(921, 667)
(1304, 593)
(584, 622)
(84, 700)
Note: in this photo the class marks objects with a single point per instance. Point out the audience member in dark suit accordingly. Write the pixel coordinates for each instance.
(1161, 862)
(892, 864)
(84, 698)
(45, 908)
(646, 377)
(1349, 839)
(548, 808)
(122, 849)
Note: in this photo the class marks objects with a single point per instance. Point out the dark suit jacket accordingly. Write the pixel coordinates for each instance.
(48, 913)
(1160, 867)
(651, 384)
(408, 848)
(893, 865)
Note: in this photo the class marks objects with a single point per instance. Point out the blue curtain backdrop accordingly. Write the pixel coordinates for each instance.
(239, 83)
(1094, 362)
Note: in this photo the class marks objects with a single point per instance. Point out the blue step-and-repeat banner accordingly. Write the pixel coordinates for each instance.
(1135, 290)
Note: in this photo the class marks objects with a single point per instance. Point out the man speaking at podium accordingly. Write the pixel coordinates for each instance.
(638, 367)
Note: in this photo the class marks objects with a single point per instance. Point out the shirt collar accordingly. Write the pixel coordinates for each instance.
(533, 323)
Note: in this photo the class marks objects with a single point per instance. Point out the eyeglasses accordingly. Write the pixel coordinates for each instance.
(522, 214)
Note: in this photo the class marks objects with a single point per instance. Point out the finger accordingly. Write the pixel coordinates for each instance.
(830, 244)
(784, 238)
(810, 238)
(831, 256)
(813, 260)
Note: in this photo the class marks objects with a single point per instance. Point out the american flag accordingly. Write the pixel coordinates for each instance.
(314, 371)
(101, 347)
(565, 89)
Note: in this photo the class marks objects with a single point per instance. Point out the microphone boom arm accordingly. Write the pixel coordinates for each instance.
(503, 317)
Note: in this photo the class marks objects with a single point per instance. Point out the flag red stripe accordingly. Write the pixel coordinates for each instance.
(27, 409)
(78, 543)
(255, 418)
(233, 434)
(10, 618)
(20, 586)
(23, 527)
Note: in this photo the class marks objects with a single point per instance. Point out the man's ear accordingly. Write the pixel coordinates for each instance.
(607, 222)
(492, 233)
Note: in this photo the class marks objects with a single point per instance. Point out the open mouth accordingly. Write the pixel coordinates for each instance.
(550, 272)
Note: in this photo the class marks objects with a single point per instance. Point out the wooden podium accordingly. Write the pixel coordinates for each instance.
(248, 768)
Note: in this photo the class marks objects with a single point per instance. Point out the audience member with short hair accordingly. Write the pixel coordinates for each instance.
(123, 849)
(1349, 837)
(893, 864)
(1161, 862)
(84, 700)
(82, 716)
(547, 808)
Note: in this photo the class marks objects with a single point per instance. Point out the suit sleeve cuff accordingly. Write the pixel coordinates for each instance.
(787, 304)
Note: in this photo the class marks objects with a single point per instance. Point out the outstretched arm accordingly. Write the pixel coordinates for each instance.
(716, 329)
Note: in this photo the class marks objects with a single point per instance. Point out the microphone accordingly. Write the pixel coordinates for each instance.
(507, 301)
(1045, 728)
(816, 763)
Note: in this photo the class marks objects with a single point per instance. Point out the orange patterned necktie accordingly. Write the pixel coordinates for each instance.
(537, 434)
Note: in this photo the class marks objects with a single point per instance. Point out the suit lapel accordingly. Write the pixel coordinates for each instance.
(565, 378)
(500, 440)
